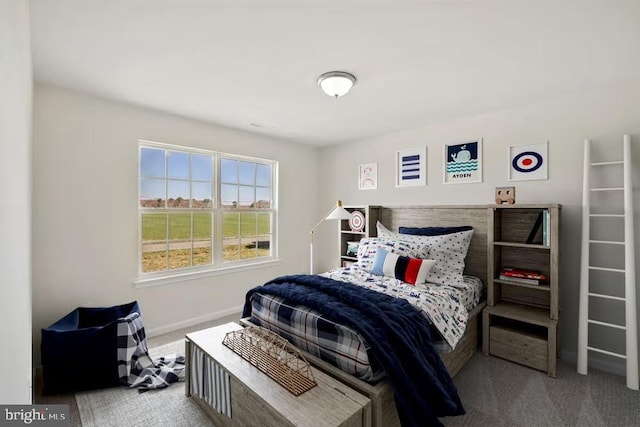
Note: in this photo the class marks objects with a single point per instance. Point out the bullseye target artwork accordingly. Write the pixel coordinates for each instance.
(356, 222)
(528, 162)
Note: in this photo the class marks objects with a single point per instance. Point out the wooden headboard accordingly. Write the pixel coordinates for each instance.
(447, 216)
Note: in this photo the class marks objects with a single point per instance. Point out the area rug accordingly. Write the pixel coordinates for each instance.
(494, 392)
(122, 406)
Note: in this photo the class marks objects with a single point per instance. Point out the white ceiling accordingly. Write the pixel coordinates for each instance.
(253, 65)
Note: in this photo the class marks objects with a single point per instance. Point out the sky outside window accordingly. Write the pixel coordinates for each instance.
(263, 175)
(202, 169)
(152, 162)
(247, 173)
(229, 171)
(180, 177)
(178, 165)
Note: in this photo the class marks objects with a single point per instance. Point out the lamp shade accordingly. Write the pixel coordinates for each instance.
(339, 213)
(336, 83)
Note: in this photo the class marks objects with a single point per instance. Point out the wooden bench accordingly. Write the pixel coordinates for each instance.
(256, 399)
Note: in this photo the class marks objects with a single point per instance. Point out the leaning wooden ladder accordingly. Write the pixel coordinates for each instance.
(630, 326)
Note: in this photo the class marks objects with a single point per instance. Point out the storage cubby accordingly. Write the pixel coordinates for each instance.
(521, 319)
(370, 215)
(525, 258)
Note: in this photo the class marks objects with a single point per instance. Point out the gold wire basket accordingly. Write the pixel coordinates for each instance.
(274, 356)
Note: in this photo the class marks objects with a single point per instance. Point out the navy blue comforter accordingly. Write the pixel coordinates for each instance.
(399, 335)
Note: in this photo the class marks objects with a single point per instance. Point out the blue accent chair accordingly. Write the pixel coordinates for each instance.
(80, 351)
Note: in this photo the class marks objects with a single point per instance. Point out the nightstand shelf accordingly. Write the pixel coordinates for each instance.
(522, 313)
(544, 288)
(520, 322)
(370, 215)
(522, 245)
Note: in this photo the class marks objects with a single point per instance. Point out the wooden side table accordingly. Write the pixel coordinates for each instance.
(256, 399)
(535, 346)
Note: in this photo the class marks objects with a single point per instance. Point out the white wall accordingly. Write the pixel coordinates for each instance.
(15, 204)
(603, 116)
(85, 209)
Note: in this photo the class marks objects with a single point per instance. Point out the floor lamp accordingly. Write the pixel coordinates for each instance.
(336, 212)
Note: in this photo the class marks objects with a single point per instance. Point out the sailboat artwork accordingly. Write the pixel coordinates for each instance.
(463, 162)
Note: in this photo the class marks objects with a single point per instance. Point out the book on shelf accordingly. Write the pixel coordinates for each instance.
(542, 222)
(545, 227)
(519, 273)
(535, 228)
(519, 280)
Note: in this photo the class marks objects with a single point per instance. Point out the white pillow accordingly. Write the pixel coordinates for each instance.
(368, 246)
(448, 251)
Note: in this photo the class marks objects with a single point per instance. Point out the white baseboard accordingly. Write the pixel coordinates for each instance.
(193, 321)
(596, 363)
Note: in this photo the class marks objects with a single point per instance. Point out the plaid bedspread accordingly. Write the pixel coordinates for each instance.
(135, 366)
(308, 330)
(341, 346)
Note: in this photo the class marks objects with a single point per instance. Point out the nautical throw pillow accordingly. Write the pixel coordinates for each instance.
(368, 246)
(448, 251)
(410, 270)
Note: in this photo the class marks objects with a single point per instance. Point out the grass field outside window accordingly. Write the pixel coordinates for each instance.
(181, 199)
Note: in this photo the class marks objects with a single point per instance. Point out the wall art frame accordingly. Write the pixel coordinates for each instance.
(529, 162)
(368, 176)
(463, 162)
(411, 167)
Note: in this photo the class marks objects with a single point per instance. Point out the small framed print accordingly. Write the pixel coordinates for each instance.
(463, 162)
(368, 176)
(411, 167)
(529, 162)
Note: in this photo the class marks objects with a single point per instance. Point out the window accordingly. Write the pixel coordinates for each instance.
(202, 210)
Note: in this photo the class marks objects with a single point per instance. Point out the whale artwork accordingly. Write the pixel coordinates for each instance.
(463, 155)
(463, 162)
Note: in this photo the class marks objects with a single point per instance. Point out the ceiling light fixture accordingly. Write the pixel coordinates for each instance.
(336, 83)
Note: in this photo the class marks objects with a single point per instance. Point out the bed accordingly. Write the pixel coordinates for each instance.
(353, 367)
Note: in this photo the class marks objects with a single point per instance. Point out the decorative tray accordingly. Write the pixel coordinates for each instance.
(274, 356)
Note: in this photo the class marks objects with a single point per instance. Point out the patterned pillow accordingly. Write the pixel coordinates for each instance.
(368, 246)
(410, 270)
(448, 251)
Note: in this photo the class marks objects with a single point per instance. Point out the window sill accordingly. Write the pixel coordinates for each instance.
(192, 275)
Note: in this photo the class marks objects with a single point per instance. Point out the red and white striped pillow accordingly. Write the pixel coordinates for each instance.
(413, 271)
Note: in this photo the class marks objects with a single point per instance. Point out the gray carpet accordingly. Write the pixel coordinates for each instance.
(121, 406)
(493, 391)
(499, 393)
